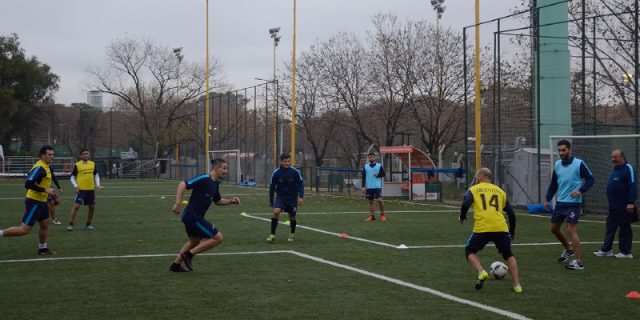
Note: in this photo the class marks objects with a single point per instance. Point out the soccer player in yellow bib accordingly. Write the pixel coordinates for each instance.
(38, 186)
(489, 202)
(86, 181)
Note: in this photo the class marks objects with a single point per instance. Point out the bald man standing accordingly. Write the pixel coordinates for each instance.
(622, 195)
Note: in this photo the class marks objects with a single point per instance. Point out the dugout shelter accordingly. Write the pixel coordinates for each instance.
(411, 158)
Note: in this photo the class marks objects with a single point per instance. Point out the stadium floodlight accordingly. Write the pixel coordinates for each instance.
(438, 6)
(274, 35)
(273, 31)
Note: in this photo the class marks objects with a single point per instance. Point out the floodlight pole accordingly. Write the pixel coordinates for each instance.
(276, 39)
(439, 8)
(293, 90)
(206, 102)
(478, 113)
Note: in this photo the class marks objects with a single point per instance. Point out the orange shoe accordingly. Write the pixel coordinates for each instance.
(370, 218)
(383, 218)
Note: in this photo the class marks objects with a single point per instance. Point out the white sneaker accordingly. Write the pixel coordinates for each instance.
(574, 265)
(601, 253)
(624, 256)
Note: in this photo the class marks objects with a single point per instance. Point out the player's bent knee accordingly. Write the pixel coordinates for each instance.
(468, 251)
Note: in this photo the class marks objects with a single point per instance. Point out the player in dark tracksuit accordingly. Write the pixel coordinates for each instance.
(622, 195)
(287, 183)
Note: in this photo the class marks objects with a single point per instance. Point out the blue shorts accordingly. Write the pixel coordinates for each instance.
(290, 207)
(86, 197)
(502, 240)
(34, 211)
(374, 193)
(198, 227)
(566, 213)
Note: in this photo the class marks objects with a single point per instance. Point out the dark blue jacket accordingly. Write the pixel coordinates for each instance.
(288, 184)
(621, 187)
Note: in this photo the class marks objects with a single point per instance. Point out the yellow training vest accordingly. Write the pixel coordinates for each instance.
(488, 208)
(44, 183)
(85, 175)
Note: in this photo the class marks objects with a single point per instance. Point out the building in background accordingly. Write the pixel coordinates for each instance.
(94, 99)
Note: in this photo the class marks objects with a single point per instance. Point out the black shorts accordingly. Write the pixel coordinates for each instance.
(34, 211)
(502, 240)
(289, 207)
(86, 197)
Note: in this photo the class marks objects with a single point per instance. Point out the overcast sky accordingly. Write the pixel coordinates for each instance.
(68, 35)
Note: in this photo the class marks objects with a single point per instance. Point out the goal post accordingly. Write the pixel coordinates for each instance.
(232, 157)
(595, 150)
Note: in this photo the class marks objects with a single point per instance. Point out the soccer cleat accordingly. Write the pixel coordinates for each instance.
(370, 218)
(90, 228)
(566, 254)
(383, 218)
(292, 237)
(175, 267)
(271, 238)
(574, 265)
(517, 289)
(186, 257)
(482, 276)
(623, 256)
(601, 253)
(56, 221)
(69, 228)
(46, 252)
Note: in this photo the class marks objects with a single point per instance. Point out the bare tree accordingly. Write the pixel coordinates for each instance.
(151, 80)
(347, 79)
(318, 117)
(613, 47)
(389, 92)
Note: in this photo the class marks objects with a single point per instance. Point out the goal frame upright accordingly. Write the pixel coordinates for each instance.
(237, 162)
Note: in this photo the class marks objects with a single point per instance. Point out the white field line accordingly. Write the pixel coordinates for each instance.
(99, 196)
(384, 244)
(135, 256)
(402, 246)
(458, 209)
(395, 201)
(633, 225)
(398, 282)
(531, 244)
(358, 212)
(434, 292)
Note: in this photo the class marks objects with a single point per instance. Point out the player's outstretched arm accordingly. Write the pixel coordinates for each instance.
(226, 202)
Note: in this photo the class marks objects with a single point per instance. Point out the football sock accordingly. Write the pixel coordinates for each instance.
(293, 226)
(88, 224)
(42, 245)
(71, 223)
(274, 225)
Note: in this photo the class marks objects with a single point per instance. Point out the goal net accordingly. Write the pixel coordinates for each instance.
(596, 153)
(232, 157)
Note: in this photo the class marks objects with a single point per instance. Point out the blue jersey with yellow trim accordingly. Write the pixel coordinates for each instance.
(204, 192)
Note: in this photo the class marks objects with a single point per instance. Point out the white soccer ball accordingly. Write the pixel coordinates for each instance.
(498, 270)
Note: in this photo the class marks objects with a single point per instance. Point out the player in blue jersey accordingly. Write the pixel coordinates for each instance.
(202, 234)
(372, 176)
(571, 178)
(38, 185)
(287, 183)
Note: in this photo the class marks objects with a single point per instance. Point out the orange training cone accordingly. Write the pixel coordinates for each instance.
(344, 235)
(634, 295)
